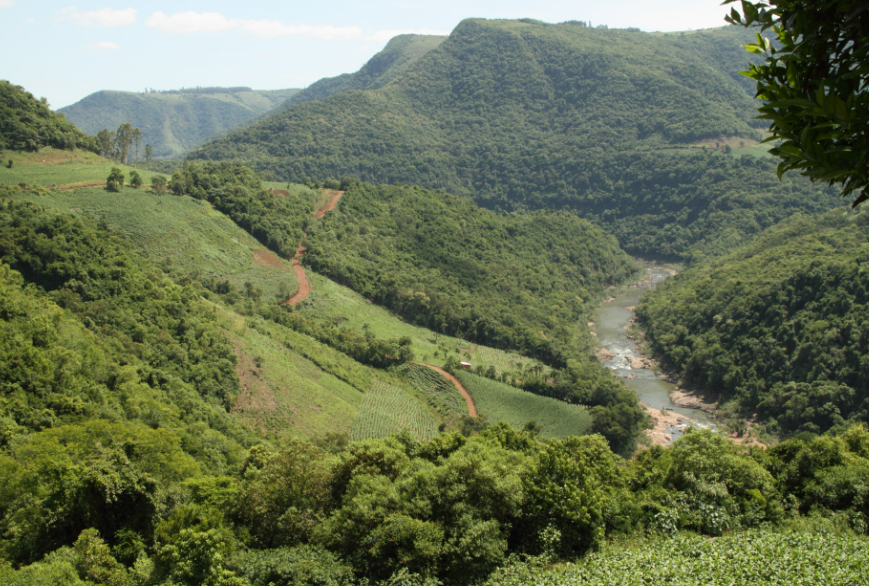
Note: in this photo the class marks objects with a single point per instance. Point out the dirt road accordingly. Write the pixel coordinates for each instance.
(472, 409)
(304, 285)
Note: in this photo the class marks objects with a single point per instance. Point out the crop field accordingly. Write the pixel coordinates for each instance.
(756, 558)
(284, 392)
(334, 302)
(442, 394)
(500, 402)
(502, 361)
(48, 167)
(182, 234)
(387, 409)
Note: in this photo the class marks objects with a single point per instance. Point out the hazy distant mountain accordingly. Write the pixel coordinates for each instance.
(173, 122)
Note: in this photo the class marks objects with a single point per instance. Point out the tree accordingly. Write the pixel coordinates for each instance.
(135, 179)
(814, 86)
(124, 140)
(106, 140)
(137, 139)
(148, 152)
(115, 180)
(158, 184)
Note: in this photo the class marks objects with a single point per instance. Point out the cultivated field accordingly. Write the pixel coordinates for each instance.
(182, 234)
(441, 393)
(387, 409)
(48, 167)
(500, 402)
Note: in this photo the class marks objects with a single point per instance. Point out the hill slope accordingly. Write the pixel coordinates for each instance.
(779, 327)
(175, 121)
(27, 124)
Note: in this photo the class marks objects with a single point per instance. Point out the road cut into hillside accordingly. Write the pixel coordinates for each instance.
(472, 409)
(305, 285)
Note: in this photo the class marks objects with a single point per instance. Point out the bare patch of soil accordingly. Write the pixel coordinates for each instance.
(265, 258)
(330, 205)
(694, 400)
(664, 422)
(304, 285)
(603, 354)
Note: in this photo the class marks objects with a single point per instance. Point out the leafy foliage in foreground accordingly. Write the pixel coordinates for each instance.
(753, 557)
(27, 124)
(780, 327)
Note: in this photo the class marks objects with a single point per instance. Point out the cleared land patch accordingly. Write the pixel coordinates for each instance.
(48, 167)
(500, 402)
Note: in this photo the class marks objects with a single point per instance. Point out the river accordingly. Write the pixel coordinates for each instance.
(611, 320)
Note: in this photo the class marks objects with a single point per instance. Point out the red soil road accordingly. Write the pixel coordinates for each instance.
(472, 410)
(305, 286)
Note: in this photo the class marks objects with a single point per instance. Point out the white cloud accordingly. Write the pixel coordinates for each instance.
(105, 45)
(213, 22)
(101, 17)
(385, 35)
(6, 3)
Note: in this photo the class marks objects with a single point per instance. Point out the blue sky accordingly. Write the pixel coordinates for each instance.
(65, 50)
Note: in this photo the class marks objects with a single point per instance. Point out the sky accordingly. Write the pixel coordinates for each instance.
(65, 50)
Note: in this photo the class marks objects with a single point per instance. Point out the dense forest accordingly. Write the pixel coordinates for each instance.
(28, 124)
(780, 327)
(173, 122)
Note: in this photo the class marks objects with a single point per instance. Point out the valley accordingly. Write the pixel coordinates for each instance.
(394, 328)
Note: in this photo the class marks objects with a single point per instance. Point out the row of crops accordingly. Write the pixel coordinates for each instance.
(386, 409)
(503, 362)
(756, 558)
(443, 395)
(501, 402)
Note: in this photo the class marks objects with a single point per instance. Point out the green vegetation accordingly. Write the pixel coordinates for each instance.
(173, 122)
(442, 394)
(49, 167)
(753, 557)
(400, 53)
(386, 409)
(524, 115)
(780, 327)
(500, 402)
(28, 124)
(812, 81)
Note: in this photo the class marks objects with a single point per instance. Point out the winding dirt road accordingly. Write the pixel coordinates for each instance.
(472, 409)
(305, 285)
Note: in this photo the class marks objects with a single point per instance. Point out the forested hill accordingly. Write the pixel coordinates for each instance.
(28, 124)
(400, 53)
(780, 327)
(526, 88)
(172, 122)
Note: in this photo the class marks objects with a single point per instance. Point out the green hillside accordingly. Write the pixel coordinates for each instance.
(173, 122)
(780, 327)
(400, 52)
(637, 132)
(28, 124)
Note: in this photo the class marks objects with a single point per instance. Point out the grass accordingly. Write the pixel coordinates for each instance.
(501, 402)
(48, 167)
(386, 409)
(182, 234)
(331, 301)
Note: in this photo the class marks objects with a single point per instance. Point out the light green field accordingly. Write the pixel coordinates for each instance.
(331, 301)
(387, 409)
(500, 402)
(285, 392)
(441, 393)
(48, 167)
(183, 234)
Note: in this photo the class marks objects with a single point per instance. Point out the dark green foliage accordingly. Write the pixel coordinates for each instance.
(276, 221)
(780, 327)
(297, 566)
(813, 83)
(27, 124)
(173, 122)
(115, 180)
(135, 179)
(508, 281)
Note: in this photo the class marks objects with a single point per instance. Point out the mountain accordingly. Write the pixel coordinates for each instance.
(638, 132)
(779, 329)
(400, 53)
(173, 122)
(28, 124)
